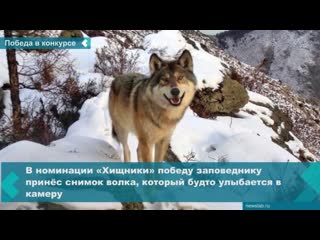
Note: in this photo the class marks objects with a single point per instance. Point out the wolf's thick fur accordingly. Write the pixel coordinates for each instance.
(150, 107)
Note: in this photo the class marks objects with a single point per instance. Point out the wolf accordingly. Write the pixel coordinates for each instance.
(150, 107)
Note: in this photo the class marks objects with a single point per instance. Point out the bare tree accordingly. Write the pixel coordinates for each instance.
(14, 87)
(46, 116)
(112, 61)
(40, 70)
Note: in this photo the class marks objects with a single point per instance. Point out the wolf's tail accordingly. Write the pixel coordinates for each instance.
(114, 134)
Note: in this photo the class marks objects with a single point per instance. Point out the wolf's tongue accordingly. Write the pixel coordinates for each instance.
(175, 100)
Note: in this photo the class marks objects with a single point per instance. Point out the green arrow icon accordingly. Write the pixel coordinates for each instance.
(86, 43)
(8, 185)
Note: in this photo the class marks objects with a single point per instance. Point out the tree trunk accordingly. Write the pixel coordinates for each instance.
(14, 88)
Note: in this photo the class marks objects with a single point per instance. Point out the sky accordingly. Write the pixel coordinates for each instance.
(211, 32)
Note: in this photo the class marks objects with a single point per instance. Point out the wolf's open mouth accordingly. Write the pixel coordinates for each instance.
(174, 101)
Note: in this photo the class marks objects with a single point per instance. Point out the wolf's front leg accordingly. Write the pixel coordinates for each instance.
(144, 152)
(122, 135)
(161, 149)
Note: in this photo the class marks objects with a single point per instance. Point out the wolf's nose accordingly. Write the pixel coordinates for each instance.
(175, 92)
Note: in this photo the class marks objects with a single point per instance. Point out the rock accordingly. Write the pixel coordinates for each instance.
(71, 34)
(228, 99)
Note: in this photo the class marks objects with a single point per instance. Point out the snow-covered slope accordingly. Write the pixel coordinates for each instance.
(293, 55)
(304, 114)
(246, 137)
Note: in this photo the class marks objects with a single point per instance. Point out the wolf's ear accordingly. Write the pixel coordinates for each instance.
(185, 60)
(155, 63)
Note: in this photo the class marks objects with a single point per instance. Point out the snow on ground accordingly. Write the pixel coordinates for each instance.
(296, 146)
(68, 149)
(263, 112)
(250, 147)
(258, 98)
(227, 139)
(96, 77)
(94, 121)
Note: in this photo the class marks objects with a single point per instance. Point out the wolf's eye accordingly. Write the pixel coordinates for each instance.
(180, 78)
(164, 79)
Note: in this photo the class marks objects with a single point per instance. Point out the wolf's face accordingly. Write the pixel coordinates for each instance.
(173, 84)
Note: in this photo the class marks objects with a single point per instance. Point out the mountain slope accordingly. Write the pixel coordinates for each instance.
(293, 56)
(304, 114)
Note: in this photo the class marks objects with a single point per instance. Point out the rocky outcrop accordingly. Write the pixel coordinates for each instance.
(228, 99)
